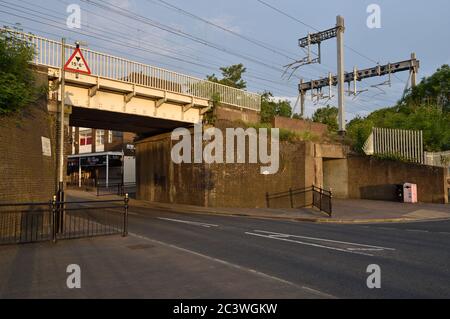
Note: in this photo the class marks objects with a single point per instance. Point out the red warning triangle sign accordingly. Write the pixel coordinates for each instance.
(77, 63)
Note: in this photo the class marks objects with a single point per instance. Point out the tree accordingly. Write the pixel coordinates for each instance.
(327, 115)
(425, 107)
(431, 90)
(358, 130)
(17, 80)
(232, 76)
(271, 108)
(284, 108)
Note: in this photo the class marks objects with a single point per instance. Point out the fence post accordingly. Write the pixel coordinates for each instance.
(125, 216)
(53, 218)
(291, 198)
(320, 198)
(267, 200)
(331, 206)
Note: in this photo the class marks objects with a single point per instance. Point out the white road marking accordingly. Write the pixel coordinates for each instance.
(308, 244)
(365, 249)
(323, 294)
(323, 239)
(188, 222)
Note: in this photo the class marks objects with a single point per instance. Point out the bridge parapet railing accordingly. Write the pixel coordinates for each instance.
(48, 53)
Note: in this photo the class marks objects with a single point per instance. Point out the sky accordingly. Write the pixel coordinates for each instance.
(259, 36)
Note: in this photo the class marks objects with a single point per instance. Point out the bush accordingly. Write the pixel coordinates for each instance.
(17, 81)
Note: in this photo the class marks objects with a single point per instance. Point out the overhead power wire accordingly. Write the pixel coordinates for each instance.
(311, 27)
(234, 33)
(259, 74)
(132, 15)
(96, 35)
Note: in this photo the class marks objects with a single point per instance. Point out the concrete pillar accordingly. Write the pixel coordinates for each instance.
(318, 172)
(340, 75)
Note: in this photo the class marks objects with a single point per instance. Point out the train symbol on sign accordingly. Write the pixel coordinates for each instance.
(77, 63)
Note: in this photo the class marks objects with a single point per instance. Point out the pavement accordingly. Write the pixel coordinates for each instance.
(131, 267)
(344, 211)
(178, 254)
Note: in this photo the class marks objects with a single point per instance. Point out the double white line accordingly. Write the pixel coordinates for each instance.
(355, 248)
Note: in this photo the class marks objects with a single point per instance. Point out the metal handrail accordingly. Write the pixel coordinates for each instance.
(323, 202)
(48, 53)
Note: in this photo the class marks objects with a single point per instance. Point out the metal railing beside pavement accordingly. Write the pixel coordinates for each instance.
(53, 220)
(302, 197)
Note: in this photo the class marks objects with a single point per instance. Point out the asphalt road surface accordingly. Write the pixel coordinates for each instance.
(414, 258)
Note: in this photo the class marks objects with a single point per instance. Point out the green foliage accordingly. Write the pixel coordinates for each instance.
(17, 82)
(358, 130)
(433, 90)
(232, 76)
(425, 107)
(327, 115)
(210, 117)
(393, 157)
(292, 136)
(271, 108)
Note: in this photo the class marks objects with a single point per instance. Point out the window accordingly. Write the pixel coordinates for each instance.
(85, 137)
(100, 137)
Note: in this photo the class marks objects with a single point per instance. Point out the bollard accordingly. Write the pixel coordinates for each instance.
(53, 218)
(125, 216)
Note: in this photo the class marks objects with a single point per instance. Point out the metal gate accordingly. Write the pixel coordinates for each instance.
(36, 222)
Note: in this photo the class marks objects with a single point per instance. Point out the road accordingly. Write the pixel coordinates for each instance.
(333, 259)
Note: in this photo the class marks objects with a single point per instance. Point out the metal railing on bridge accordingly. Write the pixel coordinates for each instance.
(48, 53)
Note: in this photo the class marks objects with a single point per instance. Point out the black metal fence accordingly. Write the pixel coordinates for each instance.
(302, 197)
(119, 189)
(322, 199)
(35, 222)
